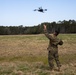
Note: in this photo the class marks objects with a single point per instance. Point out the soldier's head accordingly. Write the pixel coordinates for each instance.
(56, 32)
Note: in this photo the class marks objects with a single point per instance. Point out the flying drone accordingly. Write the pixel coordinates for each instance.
(40, 9)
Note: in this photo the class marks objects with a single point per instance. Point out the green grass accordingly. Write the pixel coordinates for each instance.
(65, 59)
(27, 54)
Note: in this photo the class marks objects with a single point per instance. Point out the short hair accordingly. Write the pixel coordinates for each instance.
(57, 32)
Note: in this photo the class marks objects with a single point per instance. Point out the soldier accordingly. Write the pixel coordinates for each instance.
(53, 48)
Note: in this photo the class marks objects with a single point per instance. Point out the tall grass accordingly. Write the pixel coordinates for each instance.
(27, 55)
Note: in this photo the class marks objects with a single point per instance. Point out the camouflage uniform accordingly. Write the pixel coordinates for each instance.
(53, 49)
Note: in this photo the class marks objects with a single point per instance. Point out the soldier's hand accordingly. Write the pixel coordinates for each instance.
(44, 27)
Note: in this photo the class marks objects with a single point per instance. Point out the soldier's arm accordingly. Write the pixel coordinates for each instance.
(61, 42)
(46, 33)
(57, 41)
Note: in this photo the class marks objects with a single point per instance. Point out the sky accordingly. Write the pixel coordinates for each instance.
(20, 12)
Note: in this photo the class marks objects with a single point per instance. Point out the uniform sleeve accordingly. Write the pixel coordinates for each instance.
(47, 34)
(57, 41)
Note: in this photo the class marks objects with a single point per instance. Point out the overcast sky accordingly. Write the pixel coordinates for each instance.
(20, 12)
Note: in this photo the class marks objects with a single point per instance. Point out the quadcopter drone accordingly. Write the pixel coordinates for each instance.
(40, 9)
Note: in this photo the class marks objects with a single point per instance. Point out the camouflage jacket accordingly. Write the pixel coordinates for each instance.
(53, 41)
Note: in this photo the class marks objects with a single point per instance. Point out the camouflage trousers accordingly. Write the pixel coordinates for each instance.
(53, 55)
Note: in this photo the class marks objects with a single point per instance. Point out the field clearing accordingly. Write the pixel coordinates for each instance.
(27, 55)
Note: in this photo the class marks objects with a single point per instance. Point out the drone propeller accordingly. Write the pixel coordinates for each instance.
(40, 7)
(35, 9)
(45, 9)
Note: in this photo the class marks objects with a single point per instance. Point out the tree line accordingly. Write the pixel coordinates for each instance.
(63, 26)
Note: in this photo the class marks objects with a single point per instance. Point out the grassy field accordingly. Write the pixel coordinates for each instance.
(27, 55)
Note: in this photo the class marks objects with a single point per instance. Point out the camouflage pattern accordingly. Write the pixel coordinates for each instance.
(53, 49)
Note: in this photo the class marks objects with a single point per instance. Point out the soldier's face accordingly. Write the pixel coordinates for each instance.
(55, 33)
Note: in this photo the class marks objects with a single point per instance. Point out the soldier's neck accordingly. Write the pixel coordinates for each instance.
(54, 35)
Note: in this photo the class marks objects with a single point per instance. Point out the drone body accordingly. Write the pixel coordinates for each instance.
(40, 9)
